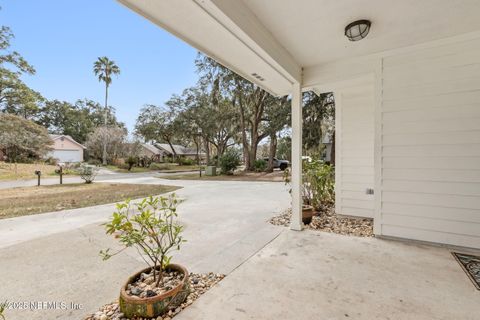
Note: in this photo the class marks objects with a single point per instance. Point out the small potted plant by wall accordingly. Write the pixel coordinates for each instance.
(150, 228)
(317, 189)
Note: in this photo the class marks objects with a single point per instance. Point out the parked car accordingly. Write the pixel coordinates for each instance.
(280, 164)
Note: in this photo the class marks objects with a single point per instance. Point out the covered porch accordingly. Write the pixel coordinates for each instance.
(407, 98)
(314, 275)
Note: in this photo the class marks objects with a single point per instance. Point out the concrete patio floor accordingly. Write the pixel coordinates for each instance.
(55, 256)
(273, 273)
(317, 275)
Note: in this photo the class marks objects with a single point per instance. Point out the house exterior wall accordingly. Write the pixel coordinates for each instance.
(66, 144)
(428, 133)
(354, 156)
(66, 151)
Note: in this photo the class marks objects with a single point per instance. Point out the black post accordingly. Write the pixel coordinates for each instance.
(38, 173)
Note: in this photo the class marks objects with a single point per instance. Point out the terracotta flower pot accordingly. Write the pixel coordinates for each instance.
(307, 214)
(133, 306)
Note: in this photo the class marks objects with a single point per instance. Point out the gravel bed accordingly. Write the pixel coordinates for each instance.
(328, 221)
(200, 283)
(144, 287)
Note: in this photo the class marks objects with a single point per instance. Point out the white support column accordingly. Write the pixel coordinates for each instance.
(297, 121)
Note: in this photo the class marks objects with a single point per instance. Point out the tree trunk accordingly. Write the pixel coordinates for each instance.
(104, 157)
(272, 152)
(246, 156)
(207, 150)
(173, 149)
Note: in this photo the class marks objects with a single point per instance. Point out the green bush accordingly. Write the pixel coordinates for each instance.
(88, 173)
(94, 162)
(318, 183)
(51, 161)
(318, 188)
(186, 162)
(260, 165)
(229, 161)
(124, 166)
(131, 161)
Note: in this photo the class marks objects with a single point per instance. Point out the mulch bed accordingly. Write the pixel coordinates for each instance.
(329, 221)
(200, 283)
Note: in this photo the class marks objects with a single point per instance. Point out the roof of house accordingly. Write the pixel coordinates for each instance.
(152, 148)
(58, 136)
(179, 150)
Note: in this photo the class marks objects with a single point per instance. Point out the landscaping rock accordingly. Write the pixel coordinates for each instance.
(200, 283)
(329, 221)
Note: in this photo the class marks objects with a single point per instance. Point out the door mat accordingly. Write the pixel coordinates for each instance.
(471, 265)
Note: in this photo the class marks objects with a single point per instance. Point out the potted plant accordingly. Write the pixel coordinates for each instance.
(317, 189)
(150, 228)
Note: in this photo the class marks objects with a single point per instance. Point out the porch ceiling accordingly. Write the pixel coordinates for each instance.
(276, 39)
(312, 30)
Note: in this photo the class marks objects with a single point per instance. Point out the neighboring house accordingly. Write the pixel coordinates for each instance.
(407, 97)
(66, 149)
(152, 152)
(180, 151)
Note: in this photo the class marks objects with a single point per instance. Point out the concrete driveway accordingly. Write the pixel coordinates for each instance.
(54, 256)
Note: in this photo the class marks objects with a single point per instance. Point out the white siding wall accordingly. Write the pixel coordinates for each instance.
(354, 150)
(430, 145)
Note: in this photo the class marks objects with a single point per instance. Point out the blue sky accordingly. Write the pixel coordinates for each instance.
(62, 39)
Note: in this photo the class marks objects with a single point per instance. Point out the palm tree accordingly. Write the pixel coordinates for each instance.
(103, 68)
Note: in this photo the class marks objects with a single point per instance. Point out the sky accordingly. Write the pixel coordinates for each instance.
(63, 38)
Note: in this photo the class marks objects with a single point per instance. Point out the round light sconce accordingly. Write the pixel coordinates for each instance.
(357, 30)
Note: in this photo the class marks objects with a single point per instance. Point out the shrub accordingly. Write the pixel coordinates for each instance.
(88, 173)
(260, 165)
(318, 188)
(131, 161)
(160, 166)
(51, 161)
(229, 161)
(186, 161)
(318, 183)
(94, 162)
(151, 229)
(145, 161)
(123, 166)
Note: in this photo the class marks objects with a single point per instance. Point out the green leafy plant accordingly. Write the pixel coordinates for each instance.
(88, 173)
(260, 165)
(3, 306)
(318, 183)
(186, 161)
(318, 187)
(150, 228)
(229, 161)
(131, 161)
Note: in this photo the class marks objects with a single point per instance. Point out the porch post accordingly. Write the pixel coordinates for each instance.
(297, 119)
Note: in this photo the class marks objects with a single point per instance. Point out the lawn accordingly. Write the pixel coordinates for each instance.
(161, 167)
(10, 171)
(32, 200)
(276, 176)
